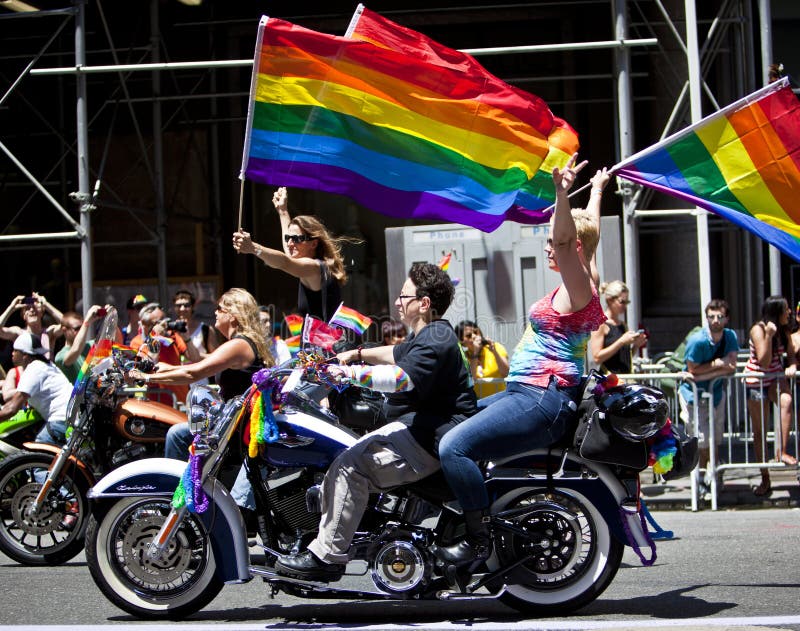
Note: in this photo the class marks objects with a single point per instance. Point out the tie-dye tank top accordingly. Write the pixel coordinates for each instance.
(554, 343)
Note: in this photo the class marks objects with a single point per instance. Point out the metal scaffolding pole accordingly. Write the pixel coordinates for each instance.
(765, 23)
(693, 62)
(158, 159)
(630, 224)
(83, 196)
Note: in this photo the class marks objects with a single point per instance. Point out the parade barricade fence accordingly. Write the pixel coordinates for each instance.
(735, 449)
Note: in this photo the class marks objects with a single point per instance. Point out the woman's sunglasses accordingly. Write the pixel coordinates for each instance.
(297, 238)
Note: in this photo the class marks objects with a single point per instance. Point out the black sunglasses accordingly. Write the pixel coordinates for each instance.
(297, 238)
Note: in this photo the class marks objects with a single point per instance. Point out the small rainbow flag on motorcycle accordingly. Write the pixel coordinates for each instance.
(295, 323)
(350, 319)
(293, 344)
(444, 262)
(318, 333)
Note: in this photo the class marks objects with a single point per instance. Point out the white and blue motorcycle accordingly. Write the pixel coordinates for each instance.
(559, 521)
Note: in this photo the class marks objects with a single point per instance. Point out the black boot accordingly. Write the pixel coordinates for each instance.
(475, 548)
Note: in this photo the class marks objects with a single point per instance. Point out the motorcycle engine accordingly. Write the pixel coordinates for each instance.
(399, 567)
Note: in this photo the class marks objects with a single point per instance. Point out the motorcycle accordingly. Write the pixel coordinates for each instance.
(43, 489)
(164, 536)
(18, 430)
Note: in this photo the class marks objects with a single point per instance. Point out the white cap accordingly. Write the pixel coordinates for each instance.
(29, 344)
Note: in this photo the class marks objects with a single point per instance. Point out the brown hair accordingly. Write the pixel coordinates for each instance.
(329, 247)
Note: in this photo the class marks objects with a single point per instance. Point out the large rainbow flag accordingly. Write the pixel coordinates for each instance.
(402, 135)
(535, 194)
(742, 163)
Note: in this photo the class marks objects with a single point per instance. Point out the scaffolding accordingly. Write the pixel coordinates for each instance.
(656, 34)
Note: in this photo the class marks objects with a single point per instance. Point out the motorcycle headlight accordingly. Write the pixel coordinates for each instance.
(205, 405)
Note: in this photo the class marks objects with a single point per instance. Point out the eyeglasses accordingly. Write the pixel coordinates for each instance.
(222, 309)
(297, 238)
(715, 316)
(623, 302)
(183, 305)
(402, 297)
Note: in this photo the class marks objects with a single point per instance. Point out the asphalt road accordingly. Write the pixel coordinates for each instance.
(725, 569)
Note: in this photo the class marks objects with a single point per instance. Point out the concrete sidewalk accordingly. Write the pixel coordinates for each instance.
(736, 491)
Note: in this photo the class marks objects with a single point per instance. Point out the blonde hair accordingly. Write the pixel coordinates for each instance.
(588, 234)
(613, 289)
(329, 247)
(242, 306)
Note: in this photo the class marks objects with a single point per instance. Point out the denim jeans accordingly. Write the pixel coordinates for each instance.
(514, 421)
(53, 433)
(178, 440)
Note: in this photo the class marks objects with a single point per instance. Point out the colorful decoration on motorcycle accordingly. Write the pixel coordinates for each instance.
(406, 134)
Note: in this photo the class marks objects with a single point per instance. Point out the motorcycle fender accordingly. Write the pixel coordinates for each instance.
(223, 519)
(52, 450)
(605, 491)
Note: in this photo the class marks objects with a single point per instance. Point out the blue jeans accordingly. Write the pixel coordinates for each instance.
(53, 433)
(178, 440)
(514, 421)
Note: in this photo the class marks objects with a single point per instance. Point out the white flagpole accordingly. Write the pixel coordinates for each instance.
(354, 21)
(335, 313)
(250, 110)
(744, 101)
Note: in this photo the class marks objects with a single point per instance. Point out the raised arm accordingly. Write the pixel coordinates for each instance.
(599, 182)
(576, 289)
(280, 199)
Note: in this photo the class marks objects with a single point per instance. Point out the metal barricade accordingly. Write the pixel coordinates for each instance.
(739, 443)
(736, 448)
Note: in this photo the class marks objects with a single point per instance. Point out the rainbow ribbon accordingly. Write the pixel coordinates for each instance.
(190, 492)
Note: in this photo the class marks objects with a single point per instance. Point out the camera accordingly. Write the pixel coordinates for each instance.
(179, 326)
(29, 300)
(101, 312)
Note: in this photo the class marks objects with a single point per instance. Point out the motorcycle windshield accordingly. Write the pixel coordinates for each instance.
(101, 349)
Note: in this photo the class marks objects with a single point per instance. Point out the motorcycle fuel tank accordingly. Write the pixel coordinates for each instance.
(146, 421)
(306, 441)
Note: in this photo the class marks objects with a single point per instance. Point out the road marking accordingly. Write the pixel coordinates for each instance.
(525, 625)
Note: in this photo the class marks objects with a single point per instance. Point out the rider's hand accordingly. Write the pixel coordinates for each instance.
(347, 357)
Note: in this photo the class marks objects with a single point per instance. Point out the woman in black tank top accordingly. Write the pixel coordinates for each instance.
(243, 353)
(310, 253)
(611, 345)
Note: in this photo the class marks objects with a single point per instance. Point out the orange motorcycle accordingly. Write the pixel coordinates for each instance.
(43, 501)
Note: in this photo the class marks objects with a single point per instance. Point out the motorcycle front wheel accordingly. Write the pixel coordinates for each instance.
(181, 582)
(55, 532)
(570, 556)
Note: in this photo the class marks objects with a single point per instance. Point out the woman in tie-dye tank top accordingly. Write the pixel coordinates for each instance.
(545, 369)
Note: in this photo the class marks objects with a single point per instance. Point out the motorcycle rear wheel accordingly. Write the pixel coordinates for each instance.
(181, 583)
(572, 554)
(56, 533)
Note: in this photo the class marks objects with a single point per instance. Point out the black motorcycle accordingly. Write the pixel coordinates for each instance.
(560, 522)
